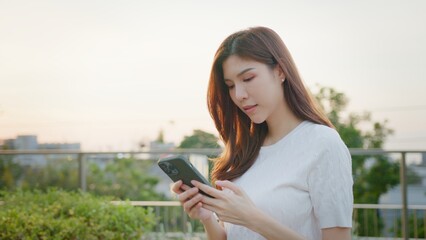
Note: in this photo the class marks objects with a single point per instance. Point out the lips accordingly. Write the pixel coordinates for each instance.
(249, 108)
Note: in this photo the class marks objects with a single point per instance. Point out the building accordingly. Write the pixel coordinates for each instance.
(30, 142)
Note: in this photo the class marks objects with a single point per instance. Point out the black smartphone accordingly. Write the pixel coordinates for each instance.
(178, 167)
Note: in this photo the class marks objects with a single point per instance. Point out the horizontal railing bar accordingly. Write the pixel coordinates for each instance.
(388, 206)
(149, 203)
(355, 151)
(52, 151)
(177, 203)
(356, 206)
(377, 151)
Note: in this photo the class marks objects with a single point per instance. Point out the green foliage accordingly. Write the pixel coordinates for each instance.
(200, 139)
(60, 173)
(369, 181)
(125, 178)
(369, 184)
(373, 175)
(57, 214)
(368, 222)
(412, 177)
(8, 171)
(350, 128)
(416, 225)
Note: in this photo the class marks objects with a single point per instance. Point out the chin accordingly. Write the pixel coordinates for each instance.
(258, 120)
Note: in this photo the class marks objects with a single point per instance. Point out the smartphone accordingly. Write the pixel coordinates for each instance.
(178, 167)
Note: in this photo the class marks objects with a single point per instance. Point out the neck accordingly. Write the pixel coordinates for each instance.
(282, 122)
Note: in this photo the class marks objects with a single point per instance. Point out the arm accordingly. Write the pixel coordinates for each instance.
(336, 233)
(190, 199)
(330, 186)
(275, 230)
(214, 229)
(237, 208)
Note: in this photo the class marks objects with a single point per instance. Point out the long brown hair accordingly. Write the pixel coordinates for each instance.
(241, 137)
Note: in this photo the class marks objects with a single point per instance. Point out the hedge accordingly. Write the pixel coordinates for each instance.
(57, 214)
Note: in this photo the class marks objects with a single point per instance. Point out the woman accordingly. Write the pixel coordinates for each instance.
(285, 172)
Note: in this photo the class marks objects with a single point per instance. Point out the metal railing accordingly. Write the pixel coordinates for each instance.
(173, 221)
(391, 212)
(404, 208)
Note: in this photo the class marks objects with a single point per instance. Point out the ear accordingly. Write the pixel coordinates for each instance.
(279, 73)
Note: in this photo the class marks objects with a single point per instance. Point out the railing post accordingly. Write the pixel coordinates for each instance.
(184, 220)
(403, 178)
(82, 172)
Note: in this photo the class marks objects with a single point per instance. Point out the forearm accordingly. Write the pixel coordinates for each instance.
(213, 229)
(271, 229)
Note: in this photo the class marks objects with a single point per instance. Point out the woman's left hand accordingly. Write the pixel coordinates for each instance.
(234, 207)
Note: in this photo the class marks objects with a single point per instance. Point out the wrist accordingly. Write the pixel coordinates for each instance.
(274, 230)
(211, 219)
(254, 218)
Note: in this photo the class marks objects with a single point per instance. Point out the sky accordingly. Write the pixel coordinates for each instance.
(112, 74)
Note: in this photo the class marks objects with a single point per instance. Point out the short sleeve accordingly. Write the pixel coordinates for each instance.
(330, 183)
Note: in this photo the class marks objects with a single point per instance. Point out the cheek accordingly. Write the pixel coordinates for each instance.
(232, 96)
(259, 92)
(273, 95)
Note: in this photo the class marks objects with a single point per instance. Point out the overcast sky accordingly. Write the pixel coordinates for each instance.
(111, 74)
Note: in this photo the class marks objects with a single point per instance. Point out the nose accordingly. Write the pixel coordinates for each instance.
(240, 92)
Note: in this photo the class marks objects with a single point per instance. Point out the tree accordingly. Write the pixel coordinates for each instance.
(367, 180)
(62, 173)
(125, 178)
(200, 139)
(373, 175)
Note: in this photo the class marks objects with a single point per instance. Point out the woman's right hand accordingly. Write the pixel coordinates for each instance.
(190, 199)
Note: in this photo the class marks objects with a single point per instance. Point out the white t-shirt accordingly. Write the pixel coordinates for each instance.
(304, 181)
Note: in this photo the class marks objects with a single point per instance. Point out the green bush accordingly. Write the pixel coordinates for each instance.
(57, 214)
(125, 178)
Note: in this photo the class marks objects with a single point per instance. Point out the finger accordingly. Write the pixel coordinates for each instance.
(185, 187)
(208, 207)
(230, 185)
(210, 201)
(188, 205)
(207, 189)
(187, 194)
(176, 187)
(195, 208)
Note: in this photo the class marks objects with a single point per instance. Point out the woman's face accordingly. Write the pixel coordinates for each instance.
(254, 87)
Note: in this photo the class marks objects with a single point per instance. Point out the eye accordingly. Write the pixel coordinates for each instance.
(229, 84)
(248, 79)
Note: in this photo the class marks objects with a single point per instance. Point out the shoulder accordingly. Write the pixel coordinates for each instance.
(325, 142)
(322, 134)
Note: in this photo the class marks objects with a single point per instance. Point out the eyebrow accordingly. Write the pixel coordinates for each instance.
(241, 73)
